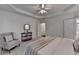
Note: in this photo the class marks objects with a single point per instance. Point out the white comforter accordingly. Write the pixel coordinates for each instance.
(60, 46)
(48, 46)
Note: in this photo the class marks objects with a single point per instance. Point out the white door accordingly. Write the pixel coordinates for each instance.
(70, 28)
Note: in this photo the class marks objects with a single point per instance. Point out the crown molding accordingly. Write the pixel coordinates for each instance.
(40, 17)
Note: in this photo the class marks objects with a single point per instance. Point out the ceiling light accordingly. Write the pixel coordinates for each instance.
(42, 11)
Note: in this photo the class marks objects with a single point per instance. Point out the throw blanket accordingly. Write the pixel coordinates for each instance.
(34, 47)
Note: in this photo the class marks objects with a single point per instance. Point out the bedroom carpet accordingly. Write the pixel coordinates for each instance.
(18, 50)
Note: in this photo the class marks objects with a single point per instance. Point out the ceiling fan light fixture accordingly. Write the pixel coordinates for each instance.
(42, 11)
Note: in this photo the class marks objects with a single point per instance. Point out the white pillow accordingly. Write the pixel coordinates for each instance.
(8, 38)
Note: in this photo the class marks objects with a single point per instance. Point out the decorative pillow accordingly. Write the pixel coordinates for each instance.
(8, 38)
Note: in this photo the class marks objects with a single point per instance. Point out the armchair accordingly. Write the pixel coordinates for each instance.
(8, 41)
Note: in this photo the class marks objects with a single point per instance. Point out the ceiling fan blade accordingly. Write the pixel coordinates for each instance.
(47, 8)
(36, 8)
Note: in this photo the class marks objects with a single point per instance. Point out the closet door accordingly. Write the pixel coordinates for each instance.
(70, 28)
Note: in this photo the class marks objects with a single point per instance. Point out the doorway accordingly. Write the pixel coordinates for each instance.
(41, 29)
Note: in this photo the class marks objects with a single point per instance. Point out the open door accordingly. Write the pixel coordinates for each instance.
(41, 29)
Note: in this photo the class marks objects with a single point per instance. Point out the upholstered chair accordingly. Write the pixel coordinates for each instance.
(8, 41)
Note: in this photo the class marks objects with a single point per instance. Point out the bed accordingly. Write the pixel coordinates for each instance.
(50, 46)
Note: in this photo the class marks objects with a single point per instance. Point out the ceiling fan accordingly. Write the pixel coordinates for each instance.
(42, 9)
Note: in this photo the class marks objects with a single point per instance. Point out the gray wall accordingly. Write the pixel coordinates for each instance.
(55, 24)
(12, 22)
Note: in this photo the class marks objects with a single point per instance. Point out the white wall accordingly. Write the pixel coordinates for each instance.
(12, 22)
(55, 24)
(54, 27)
(39, 29)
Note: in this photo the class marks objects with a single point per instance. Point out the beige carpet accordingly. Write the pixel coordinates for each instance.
(18, 50)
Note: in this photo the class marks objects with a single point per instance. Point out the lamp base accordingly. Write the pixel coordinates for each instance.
(26, 31)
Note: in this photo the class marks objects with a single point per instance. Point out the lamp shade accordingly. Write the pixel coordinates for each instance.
(26, 27)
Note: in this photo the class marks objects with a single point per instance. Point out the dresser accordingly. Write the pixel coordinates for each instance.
(26, 36)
